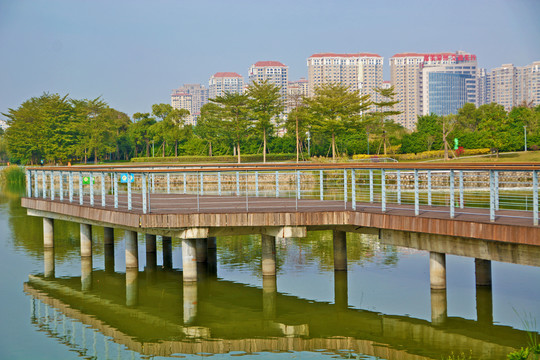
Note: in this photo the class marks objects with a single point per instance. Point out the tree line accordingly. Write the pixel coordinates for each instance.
(333, 122)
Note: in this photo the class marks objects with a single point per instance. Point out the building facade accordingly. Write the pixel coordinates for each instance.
(184, 101)
(199, 97)
(361, 72)
(274, 72)
(417, 84)
(225, 82)
(512, 86)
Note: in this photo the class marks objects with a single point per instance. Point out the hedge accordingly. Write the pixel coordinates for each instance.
(424, 155)
(217, 159)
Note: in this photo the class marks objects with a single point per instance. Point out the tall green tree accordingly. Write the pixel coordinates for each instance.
(168, 128)
(265, 105)
(335, 108)
(380, 116)
(141, 132)
(210, 125)
(494, 125)
(235, 117)
(42, 128)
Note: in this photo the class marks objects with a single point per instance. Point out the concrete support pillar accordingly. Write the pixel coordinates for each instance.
(108, 249)
(150, 243)
(484, 296)
(482, 272)
(48, 262)
(211, 263)
(132, 249)
(48, 232)
(437, 270)
(151, 256)
(86, 273)
(268, 255)
(269, 297)
(189, 260)
(438, 306)
(202, 250)
(190, 301)
(86, 240)
(341, 290)
(166, 244)
(212, 244)
(132, 286)
(340, 250)
(108, 236)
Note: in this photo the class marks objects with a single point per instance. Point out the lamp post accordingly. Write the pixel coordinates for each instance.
(525, 136)
(308, 144)
(367, 142)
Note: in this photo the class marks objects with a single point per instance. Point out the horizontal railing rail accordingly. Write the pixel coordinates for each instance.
(492, 190)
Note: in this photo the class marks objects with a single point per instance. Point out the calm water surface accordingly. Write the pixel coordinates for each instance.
(380, 309)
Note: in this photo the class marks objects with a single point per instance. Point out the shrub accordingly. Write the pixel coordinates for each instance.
(13, 174)
(217, 159)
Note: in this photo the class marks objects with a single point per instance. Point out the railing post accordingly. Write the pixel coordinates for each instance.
(353, 189)
(168, 183)
(144, 192)
(345, 193)
(202, 183)
(371, 185)
(298, 188)
(91, 178)
(153, 184)
(197, 183)
(416, 194)
(429, 187)
(383, 190)
(115, 187)
(185, 183)
(44, 184)
(398, 182)
(277, 183)
(237, 183)
(256, 183)
(452, 194)
(61, 184)
(496, 190)
(461, 194)
(81, 189)
(36, 186)
(28, 183)
(321, 185)
(129, 190)
(52, 185)
(491, 195)
(103, 203)
(535, 197)
(219, 183)
(70, 186)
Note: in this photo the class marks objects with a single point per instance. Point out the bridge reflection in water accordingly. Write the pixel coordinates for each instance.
(103, 313)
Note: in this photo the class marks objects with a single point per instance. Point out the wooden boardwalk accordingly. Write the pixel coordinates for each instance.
(178, 211)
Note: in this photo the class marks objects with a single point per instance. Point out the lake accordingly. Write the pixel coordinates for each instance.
(381, 308)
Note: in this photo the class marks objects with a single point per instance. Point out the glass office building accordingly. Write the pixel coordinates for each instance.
(447, 92)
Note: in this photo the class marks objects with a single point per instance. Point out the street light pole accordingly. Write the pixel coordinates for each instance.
(525, 136)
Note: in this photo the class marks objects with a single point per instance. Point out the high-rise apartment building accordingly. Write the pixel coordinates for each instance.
(275, 72)
(184, 101)
(437, 83)
(361, 72)
(512, 86)
(223, 82)
(296, 90)
(199, 97)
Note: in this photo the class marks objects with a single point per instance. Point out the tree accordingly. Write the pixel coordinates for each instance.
(264, 105)
(41, 128)
(334, 108)
(168, 128)
(210, 125)
(383, 110)
(235, 117)
(298, 122)
(494, 125)
(140, 130)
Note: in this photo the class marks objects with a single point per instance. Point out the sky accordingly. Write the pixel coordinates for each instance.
(132, 53)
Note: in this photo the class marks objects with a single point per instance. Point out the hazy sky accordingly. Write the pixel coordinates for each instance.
(133, 53)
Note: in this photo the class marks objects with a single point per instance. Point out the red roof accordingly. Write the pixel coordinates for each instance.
(269, 63)
(345, 55)
(227, 74)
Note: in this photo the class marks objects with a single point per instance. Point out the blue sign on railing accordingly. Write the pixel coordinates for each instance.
(124, 178)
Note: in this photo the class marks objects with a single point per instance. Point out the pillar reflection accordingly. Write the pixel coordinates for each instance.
(132, 286)
(86, 273)
(438, 306)
(269, 297)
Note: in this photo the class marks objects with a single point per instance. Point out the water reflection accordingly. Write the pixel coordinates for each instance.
(219, 316)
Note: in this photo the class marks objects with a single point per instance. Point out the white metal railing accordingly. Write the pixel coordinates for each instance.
(511, 192)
